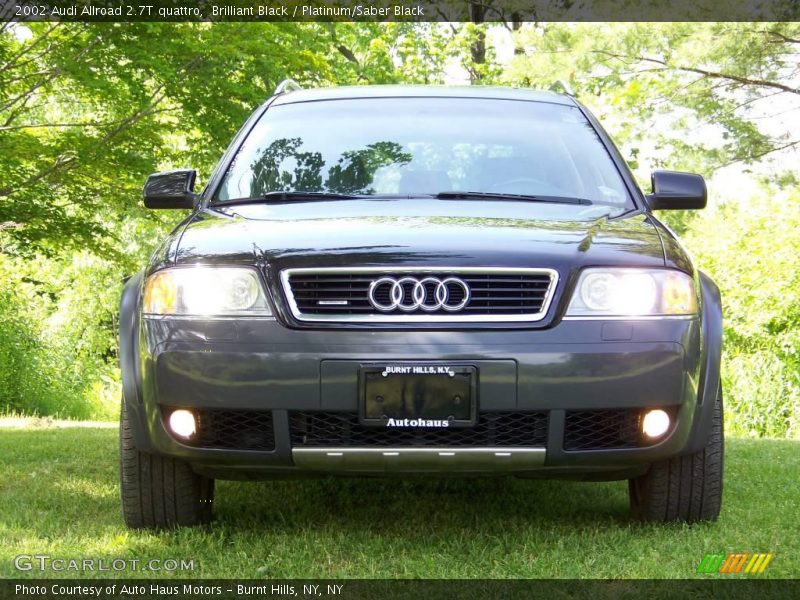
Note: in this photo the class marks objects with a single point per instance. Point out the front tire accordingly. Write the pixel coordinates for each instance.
(159, 492)
(684, 488)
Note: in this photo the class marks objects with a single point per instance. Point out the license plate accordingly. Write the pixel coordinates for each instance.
(413, 396)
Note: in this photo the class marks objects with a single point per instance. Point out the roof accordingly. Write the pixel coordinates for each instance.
(421, 91)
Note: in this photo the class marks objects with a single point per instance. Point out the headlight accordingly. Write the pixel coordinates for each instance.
(632, 292)
(205, 291)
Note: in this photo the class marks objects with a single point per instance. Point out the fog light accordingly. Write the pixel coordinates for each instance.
(655, 423)
(181, 422)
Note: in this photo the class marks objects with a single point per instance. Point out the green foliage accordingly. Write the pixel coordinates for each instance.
(750, 247)
(24, 377)
(88, 110)
(57, 338)
(683, 94)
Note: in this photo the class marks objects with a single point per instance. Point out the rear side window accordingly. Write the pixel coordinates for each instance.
(419, 146)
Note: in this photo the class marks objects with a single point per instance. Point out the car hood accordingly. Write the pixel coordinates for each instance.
(422, 232)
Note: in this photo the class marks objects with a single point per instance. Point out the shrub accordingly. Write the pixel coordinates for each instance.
(751, 248)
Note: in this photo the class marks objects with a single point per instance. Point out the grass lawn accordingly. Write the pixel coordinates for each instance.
(59, 496)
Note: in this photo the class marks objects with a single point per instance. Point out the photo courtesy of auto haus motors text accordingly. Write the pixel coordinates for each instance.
(399, 299)
(175, 590)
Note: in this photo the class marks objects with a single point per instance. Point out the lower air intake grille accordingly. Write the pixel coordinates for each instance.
(602, 429)
(232, 429)
(511, 429)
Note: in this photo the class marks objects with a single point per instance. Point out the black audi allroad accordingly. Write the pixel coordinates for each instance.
(415, 280)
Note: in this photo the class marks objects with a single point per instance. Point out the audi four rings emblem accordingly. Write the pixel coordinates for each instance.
(409, 294)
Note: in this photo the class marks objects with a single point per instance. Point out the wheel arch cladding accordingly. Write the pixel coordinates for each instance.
(710, 375)
(129, 355)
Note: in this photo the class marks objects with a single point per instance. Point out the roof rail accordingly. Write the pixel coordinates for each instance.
(287, 85)
(560, 86)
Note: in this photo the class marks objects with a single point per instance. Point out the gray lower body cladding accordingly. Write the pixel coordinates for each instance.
(562, 401)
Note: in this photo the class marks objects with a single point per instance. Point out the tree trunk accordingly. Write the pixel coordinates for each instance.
(516, 25)
(477, 14)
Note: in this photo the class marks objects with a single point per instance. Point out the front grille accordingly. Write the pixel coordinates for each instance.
(342, 429)
(342, 294)
(602, 429)
(232, 429)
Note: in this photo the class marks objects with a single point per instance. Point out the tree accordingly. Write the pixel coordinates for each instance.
(88, 110)
(696, 93)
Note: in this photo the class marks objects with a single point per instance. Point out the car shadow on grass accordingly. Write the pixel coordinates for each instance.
(435, 503)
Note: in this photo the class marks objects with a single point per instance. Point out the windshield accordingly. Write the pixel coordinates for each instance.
(424, 146)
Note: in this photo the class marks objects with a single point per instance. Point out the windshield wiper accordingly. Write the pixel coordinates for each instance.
(456, 195)
(288, 196)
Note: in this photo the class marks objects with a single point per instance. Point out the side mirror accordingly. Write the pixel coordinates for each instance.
(676, 190)
(171, 189)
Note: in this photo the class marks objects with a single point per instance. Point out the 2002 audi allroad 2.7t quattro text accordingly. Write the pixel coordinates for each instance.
(405, 280)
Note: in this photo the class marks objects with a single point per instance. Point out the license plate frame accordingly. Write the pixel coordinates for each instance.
(417, 395)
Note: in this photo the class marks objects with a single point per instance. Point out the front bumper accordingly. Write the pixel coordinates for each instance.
(566, 374)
